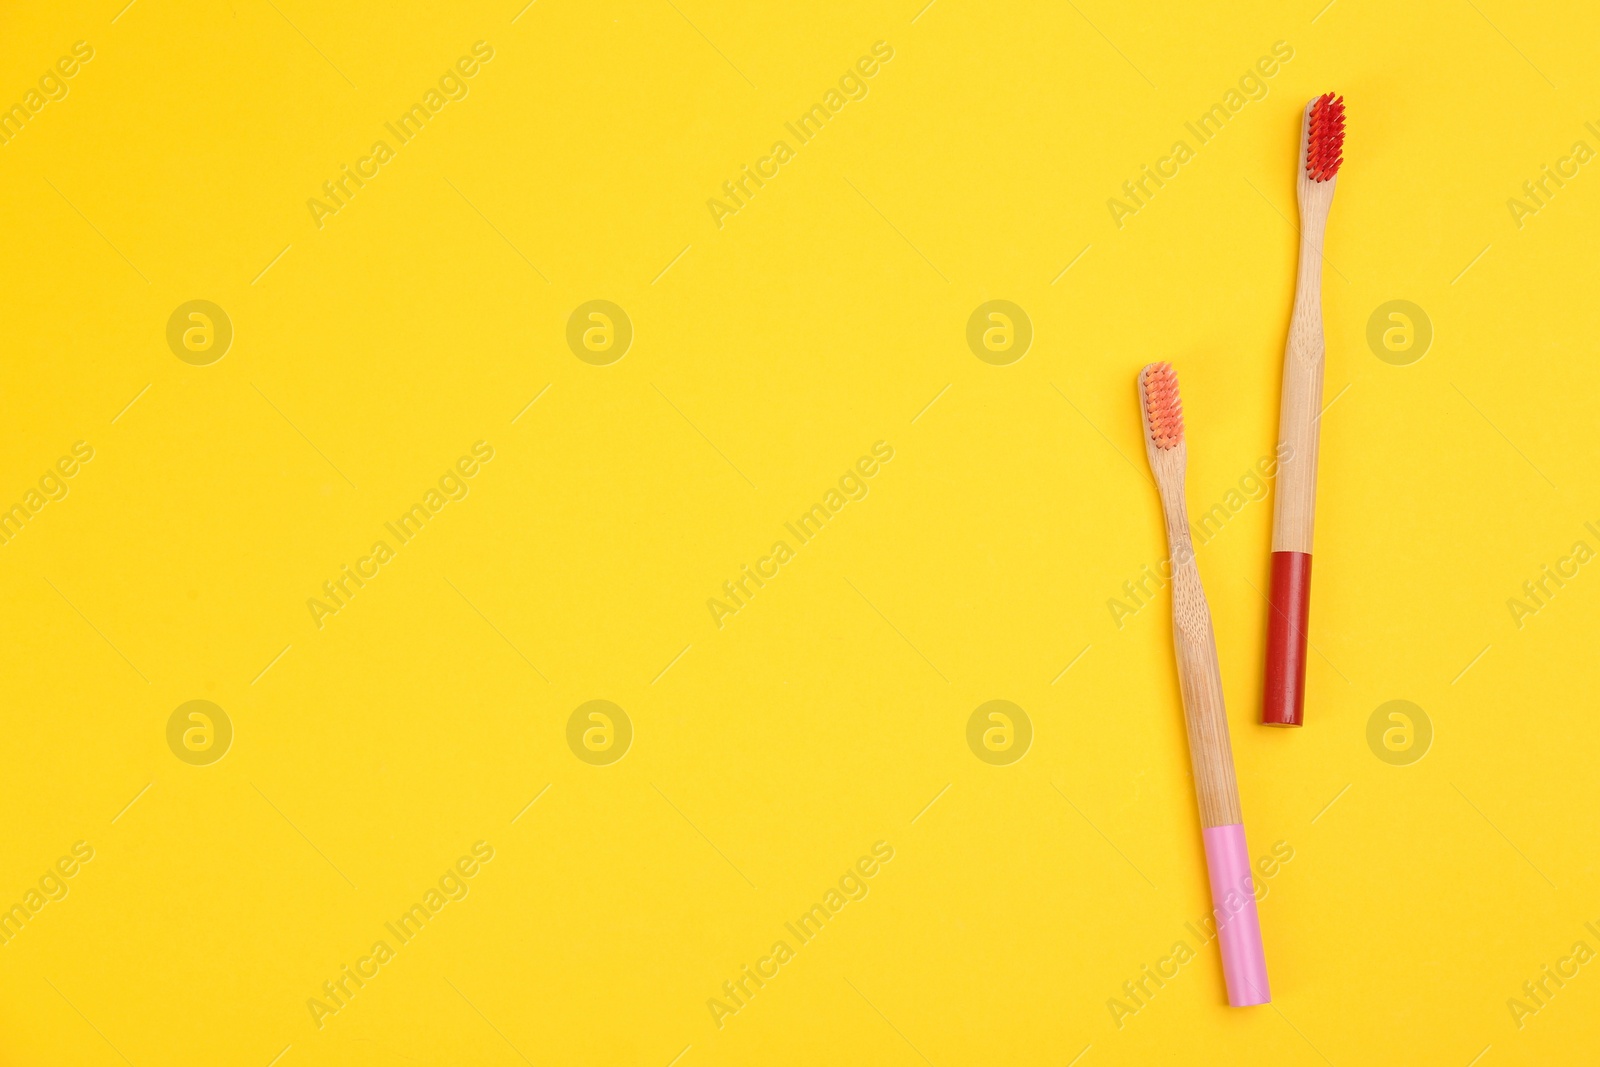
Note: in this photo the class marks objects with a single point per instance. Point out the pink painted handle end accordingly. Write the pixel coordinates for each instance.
(1233, 900)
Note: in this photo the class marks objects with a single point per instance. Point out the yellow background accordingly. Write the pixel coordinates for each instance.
(826, 315)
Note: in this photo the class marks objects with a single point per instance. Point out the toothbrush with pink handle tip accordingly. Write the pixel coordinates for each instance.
(1244, 964)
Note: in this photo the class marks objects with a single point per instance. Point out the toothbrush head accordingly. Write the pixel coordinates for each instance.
(1163, 407)
(1325, 138)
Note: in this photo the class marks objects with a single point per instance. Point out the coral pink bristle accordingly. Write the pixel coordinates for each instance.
(1325, 138)
(1163, 407)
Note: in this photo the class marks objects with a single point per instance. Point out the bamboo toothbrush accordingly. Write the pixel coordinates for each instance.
(1233, 901)
(1321, 145)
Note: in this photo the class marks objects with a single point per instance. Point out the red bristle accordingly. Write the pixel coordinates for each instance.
(1163, 407)
(1325, 138)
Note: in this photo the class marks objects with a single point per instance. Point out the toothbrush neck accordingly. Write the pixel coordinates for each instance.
(1180, 544)
(1316, 198)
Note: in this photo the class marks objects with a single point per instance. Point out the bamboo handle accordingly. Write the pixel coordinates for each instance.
(1303, 358)
(1200, 679)
(1199, 675)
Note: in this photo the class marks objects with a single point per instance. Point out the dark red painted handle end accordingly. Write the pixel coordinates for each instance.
(1285, 698)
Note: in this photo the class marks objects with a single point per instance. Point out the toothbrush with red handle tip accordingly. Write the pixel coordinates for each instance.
(1321, 152)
